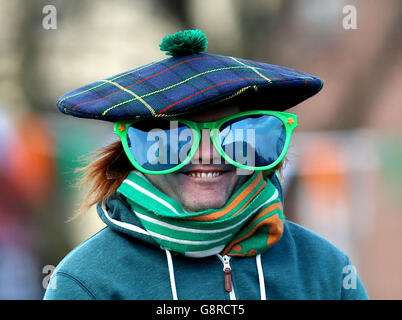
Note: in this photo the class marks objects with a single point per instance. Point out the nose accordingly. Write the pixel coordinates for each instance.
(206, 152)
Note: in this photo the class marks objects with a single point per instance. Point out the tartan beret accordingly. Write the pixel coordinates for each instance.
(188, 81)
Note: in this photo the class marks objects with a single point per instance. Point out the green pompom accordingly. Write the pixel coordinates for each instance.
(184, 43)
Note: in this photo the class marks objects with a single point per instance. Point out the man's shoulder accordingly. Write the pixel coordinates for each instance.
(91, 250)
(108, 257)
(307, 243)
(314, 267)
(98, 252)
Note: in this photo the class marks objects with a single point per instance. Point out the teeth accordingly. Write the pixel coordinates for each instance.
(204, 174)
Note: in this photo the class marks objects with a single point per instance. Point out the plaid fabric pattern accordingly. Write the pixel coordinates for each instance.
(180, 85)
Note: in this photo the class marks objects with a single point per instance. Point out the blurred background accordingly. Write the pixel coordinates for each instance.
(344, 170)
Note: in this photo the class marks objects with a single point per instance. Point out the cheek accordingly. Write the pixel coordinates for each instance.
(166, 183)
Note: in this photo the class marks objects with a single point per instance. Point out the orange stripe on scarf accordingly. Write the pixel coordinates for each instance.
(275, 231)
(251, 199)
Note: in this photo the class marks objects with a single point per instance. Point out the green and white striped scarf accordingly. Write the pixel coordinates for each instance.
(249, 223)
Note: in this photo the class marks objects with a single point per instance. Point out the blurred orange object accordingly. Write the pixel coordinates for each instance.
(325, 179)
(31, 160)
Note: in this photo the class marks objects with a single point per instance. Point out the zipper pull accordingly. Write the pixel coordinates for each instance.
(228, 273)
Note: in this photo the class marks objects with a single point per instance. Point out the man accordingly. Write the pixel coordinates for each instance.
(190, 193)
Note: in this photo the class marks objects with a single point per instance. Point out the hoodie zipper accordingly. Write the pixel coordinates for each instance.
(227, 269)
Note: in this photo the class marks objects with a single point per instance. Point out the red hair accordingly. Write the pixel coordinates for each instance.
(104, 174)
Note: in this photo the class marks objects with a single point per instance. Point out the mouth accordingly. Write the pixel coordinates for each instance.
(206, 173)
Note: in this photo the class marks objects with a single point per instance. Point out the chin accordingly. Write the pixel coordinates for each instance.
(202, 202)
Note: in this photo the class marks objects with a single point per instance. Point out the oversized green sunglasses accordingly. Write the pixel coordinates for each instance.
(251, 140)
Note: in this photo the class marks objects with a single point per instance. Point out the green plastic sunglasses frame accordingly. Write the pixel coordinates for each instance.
(289, 120)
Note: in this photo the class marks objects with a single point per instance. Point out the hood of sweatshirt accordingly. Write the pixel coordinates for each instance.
(118, 215)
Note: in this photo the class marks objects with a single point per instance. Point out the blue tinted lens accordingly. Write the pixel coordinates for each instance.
(255, 141)
(159, 145)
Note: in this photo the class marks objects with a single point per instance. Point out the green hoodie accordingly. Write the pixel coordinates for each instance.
(123, 262)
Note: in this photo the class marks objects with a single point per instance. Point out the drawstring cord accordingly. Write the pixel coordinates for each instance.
(261, 277)
(171, 274)
(173, 281)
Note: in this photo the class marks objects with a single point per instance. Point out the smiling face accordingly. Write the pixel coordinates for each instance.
(202, 184)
